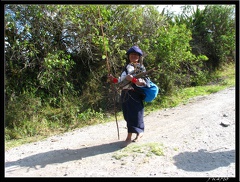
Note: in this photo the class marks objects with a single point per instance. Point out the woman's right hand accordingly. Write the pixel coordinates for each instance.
(111, 78)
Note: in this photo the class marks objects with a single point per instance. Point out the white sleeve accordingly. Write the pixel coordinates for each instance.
(122, 77)
(130, 70)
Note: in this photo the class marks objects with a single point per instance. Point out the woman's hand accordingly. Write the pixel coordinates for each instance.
(139, 82)
(111, 78)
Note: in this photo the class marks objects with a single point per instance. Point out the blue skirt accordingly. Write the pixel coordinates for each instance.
(133, 110)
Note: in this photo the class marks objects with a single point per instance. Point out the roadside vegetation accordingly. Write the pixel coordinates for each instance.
(223, 79)
(57, 58)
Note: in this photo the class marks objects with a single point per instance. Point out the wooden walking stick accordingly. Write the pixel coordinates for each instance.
(108, 67)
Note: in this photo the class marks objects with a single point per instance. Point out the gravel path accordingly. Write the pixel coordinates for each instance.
(192, 138)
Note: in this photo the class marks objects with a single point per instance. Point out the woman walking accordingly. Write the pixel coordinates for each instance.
(132, 100)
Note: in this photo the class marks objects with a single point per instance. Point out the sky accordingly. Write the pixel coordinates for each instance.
(175, 8)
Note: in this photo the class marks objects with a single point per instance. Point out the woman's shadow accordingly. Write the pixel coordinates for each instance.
(64, 155)
(203, 160)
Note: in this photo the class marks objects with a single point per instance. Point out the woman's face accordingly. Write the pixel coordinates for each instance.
(134, 57)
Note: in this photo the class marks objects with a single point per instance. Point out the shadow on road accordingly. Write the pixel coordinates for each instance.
(61, 156)
(203, 160)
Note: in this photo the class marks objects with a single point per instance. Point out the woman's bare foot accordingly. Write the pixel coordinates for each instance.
(128, 140)
(139, 135)
(126, 143)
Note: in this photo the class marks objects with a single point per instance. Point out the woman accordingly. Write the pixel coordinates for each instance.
(132, 100)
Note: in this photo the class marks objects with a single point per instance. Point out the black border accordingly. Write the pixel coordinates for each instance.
(153, 2)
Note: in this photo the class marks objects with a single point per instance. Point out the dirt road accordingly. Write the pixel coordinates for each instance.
(192, 138)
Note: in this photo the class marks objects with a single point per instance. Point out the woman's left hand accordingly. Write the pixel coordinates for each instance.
(140, 83)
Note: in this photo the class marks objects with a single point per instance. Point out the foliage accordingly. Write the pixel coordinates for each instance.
(223, 79)
(177, 65)
(213, 30)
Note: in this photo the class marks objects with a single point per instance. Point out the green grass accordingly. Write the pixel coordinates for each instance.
(223, 79)
(148, 150)
(43, 129)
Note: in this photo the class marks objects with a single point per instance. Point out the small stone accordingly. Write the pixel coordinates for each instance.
(225, 123)
(225, 115)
